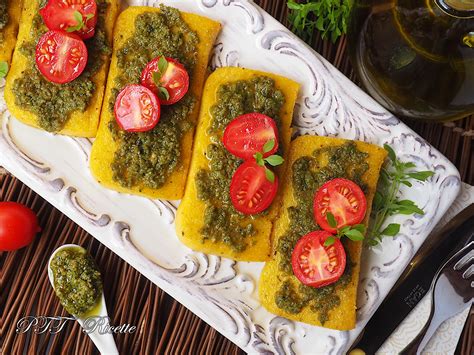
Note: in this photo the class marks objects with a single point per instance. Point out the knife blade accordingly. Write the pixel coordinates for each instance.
(415, 280)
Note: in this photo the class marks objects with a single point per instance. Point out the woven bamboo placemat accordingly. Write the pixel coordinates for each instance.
(164, 326)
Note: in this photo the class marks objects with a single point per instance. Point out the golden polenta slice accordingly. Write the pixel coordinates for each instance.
(35, 101)
(106, 151)
(197, 218)
(9, 32)
(312, 161)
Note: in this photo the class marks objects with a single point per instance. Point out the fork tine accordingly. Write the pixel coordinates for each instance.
(469, 272)
(466, 259)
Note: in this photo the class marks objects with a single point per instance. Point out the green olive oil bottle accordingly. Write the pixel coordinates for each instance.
(416, 57)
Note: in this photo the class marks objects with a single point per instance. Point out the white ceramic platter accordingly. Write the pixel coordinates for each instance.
(218, 290)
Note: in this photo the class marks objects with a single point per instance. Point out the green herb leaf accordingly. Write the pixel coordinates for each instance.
(395, 174)
(270, 175)
(329, 241)
(331, 220)
(269, 145)
(391, 230)
(156, 78)
(274, 160)
(162, 66)
(259, 159)
(163, 93)
(3, 69)
(421, 175)
(327, 16)
(79, 22)
(391, 153)
(354, 235)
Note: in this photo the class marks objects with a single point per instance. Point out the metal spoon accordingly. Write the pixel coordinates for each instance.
(105, 343)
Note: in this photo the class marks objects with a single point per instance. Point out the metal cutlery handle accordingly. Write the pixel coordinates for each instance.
(442, 287)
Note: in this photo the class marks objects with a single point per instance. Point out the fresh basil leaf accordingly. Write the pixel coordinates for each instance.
(162, 66)
(3, 69)
(164, 94)
(407, 183)
(421, 175)
(259, 159)
(331, 220)
(391, 230)
(79, 22)
(329, 241)
(89, 16)
(270, 175)
(156, 78)
(359, 227)
(391, 152)
(354, 235)
(274, 160)
(269, 145)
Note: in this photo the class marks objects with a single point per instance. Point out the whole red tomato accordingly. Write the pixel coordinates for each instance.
(18, 226)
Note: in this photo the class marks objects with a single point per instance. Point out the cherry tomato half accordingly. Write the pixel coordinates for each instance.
(175, 80)
(250, 190)
(317, 265)
(344, 199)
(18, 226)
(62, 15)
(137, 109)
(246, 135)
(60, 56)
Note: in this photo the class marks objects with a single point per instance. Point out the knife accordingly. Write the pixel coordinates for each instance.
(415, 281)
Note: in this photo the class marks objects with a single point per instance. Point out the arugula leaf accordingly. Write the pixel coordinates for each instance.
(386, 202)
(327, 16)
(3, 69)
(269, 145)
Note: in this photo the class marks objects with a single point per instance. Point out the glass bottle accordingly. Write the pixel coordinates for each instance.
(416, 57)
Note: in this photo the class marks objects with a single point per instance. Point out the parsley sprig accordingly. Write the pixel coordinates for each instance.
(354, 233)
(386, 202)
(80, 23)
(330, 17)
(3, 69)
(157, 75)
(273, 160)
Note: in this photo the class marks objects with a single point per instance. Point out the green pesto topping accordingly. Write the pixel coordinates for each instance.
(147, 159)
(344, 161)
(3, 14)
(53, 103)
(222, 222)
(77, 280)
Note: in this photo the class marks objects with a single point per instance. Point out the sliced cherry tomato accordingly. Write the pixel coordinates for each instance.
(137, 109)
(250, 190)
(18, 226)
(317, 265)
(63, 15)
(344, 199)
(247, 134)
(175, 80)
(60, 56)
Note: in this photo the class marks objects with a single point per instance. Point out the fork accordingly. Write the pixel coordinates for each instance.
(452, 292)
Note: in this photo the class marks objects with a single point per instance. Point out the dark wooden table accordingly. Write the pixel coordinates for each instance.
(164, 326)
